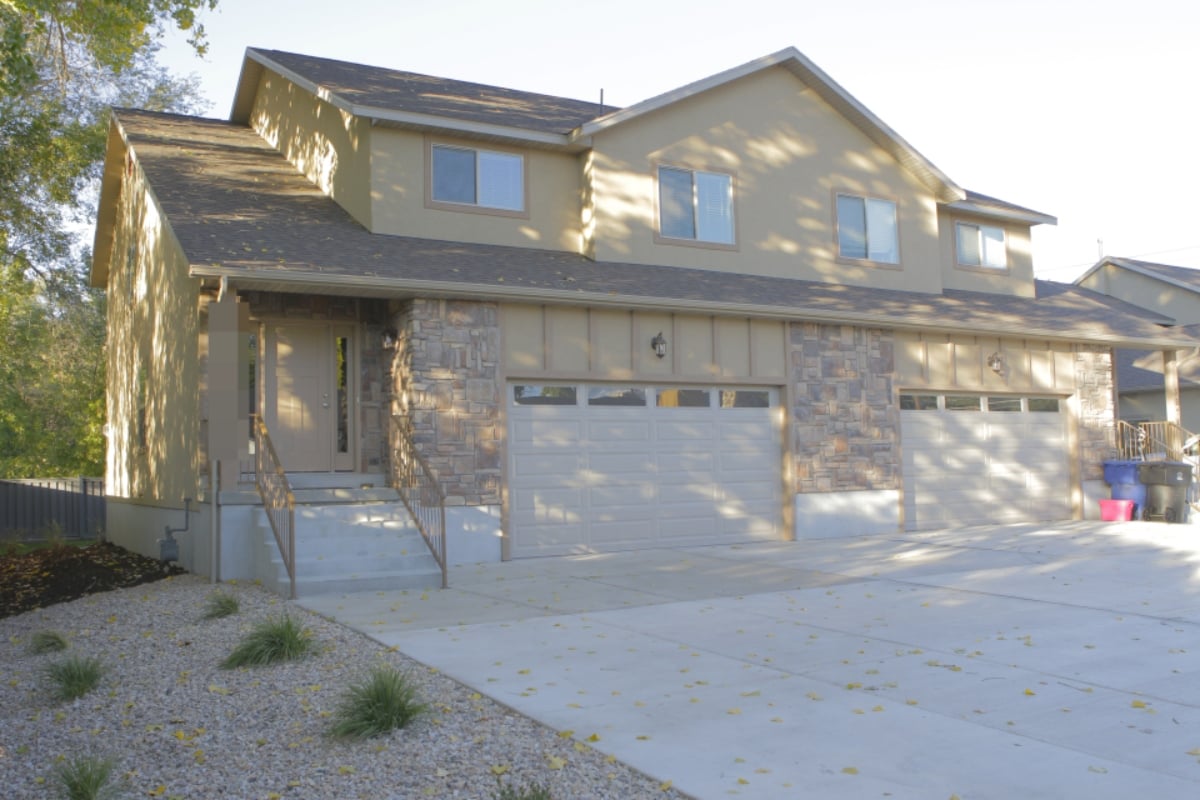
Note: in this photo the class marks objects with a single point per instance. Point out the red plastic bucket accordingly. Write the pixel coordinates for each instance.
(1116, 510)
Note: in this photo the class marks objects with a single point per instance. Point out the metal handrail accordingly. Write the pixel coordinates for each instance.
(1151, 441)
(410, 475)
(278, 500)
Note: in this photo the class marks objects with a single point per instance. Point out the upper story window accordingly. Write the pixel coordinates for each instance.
(696, 206)
(981, 245)
(867, 230)
(486, 179)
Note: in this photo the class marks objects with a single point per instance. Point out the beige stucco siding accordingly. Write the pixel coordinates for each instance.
(789, 153)
(153, 383)
(1183, 306)
(331, 147)
(563, 342)
(1016, 279)
(401, 204)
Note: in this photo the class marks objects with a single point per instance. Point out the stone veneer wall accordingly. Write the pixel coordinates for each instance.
(445, 373)
(1094, 386)
(846, 428)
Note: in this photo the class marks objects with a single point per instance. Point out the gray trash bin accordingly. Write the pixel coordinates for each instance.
(1167, 485)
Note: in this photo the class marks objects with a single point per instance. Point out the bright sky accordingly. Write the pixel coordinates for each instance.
(1083, 109)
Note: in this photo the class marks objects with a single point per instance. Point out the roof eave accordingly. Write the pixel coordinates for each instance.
(1004, 212)
(384, 287)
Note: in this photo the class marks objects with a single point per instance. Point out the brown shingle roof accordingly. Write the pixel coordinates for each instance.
(394, 90)
(239, 209)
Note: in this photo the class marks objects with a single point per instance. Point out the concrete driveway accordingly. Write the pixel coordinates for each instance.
(1055, 661)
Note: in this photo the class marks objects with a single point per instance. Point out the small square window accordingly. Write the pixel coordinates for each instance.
(981, 246)
(483, 178)
(695, 205)
(867, 229)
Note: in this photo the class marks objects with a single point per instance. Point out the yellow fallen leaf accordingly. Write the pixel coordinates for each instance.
(850, 770)
(500, 769)
(157, 791)
(1195, 751)
(877, 708)
(580, 747)
(566, 734)
(595, 737)
(1030, 693)
(212, 687)
(1137, 704)
(554, 762)
(743, 782)
(910, 702)
(734, 711)
(854, 685)
(665, 786)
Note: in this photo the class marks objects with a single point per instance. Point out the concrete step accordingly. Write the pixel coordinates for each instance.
(346, 495)
(352, 547)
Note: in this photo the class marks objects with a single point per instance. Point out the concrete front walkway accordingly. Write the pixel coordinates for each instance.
(1056, 661)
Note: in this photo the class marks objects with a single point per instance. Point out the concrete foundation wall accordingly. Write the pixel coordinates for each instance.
(828, 515)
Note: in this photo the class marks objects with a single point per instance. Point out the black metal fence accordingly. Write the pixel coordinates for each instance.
(39, 507)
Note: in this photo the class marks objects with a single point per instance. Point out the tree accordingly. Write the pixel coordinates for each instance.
(63, 63)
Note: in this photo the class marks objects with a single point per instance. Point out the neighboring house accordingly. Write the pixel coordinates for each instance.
(1174, 293)
(744, 310)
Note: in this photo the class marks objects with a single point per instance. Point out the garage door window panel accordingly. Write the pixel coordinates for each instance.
(531, 394)
(683, 398)
(617, 396)
(1004, 404)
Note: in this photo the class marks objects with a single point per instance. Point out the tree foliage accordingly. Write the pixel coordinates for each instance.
(63, 63)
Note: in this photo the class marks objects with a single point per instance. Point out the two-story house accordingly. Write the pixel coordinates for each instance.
(745, 310)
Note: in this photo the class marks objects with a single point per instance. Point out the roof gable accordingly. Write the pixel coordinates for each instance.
(1185, 278)
(409, 97)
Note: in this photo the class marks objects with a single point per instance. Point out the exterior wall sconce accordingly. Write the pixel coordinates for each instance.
(659, 345)
(388, 340)
(995, 363)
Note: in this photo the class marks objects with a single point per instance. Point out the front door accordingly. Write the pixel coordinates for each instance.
(309, 403)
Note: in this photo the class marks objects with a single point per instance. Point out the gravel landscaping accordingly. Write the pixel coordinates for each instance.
(179, 726)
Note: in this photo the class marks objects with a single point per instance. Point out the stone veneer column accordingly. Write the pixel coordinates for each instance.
(846, 428)
(445, 377)
(1094, 385)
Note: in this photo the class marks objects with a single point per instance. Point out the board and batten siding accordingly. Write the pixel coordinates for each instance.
(603, 344)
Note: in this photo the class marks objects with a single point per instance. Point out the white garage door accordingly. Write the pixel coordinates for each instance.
(601, 467)
(971, 460)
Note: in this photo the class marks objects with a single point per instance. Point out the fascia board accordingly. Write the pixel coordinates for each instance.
(987, 210)
(317, 282)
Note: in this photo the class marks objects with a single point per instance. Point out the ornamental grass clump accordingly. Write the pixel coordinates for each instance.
(282, 639)
(220, 605)
(387, 700)
(86, 778)
(75, 676)
(47, 642)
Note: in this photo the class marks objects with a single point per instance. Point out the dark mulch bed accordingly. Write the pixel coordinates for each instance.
(60, 573)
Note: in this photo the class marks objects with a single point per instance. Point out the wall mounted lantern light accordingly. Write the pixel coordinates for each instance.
(995, 363)
(388, 339)
(659, 345)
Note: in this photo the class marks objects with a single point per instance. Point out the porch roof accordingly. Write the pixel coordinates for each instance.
(240, 211)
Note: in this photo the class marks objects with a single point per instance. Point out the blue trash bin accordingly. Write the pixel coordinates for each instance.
(1124, 478)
